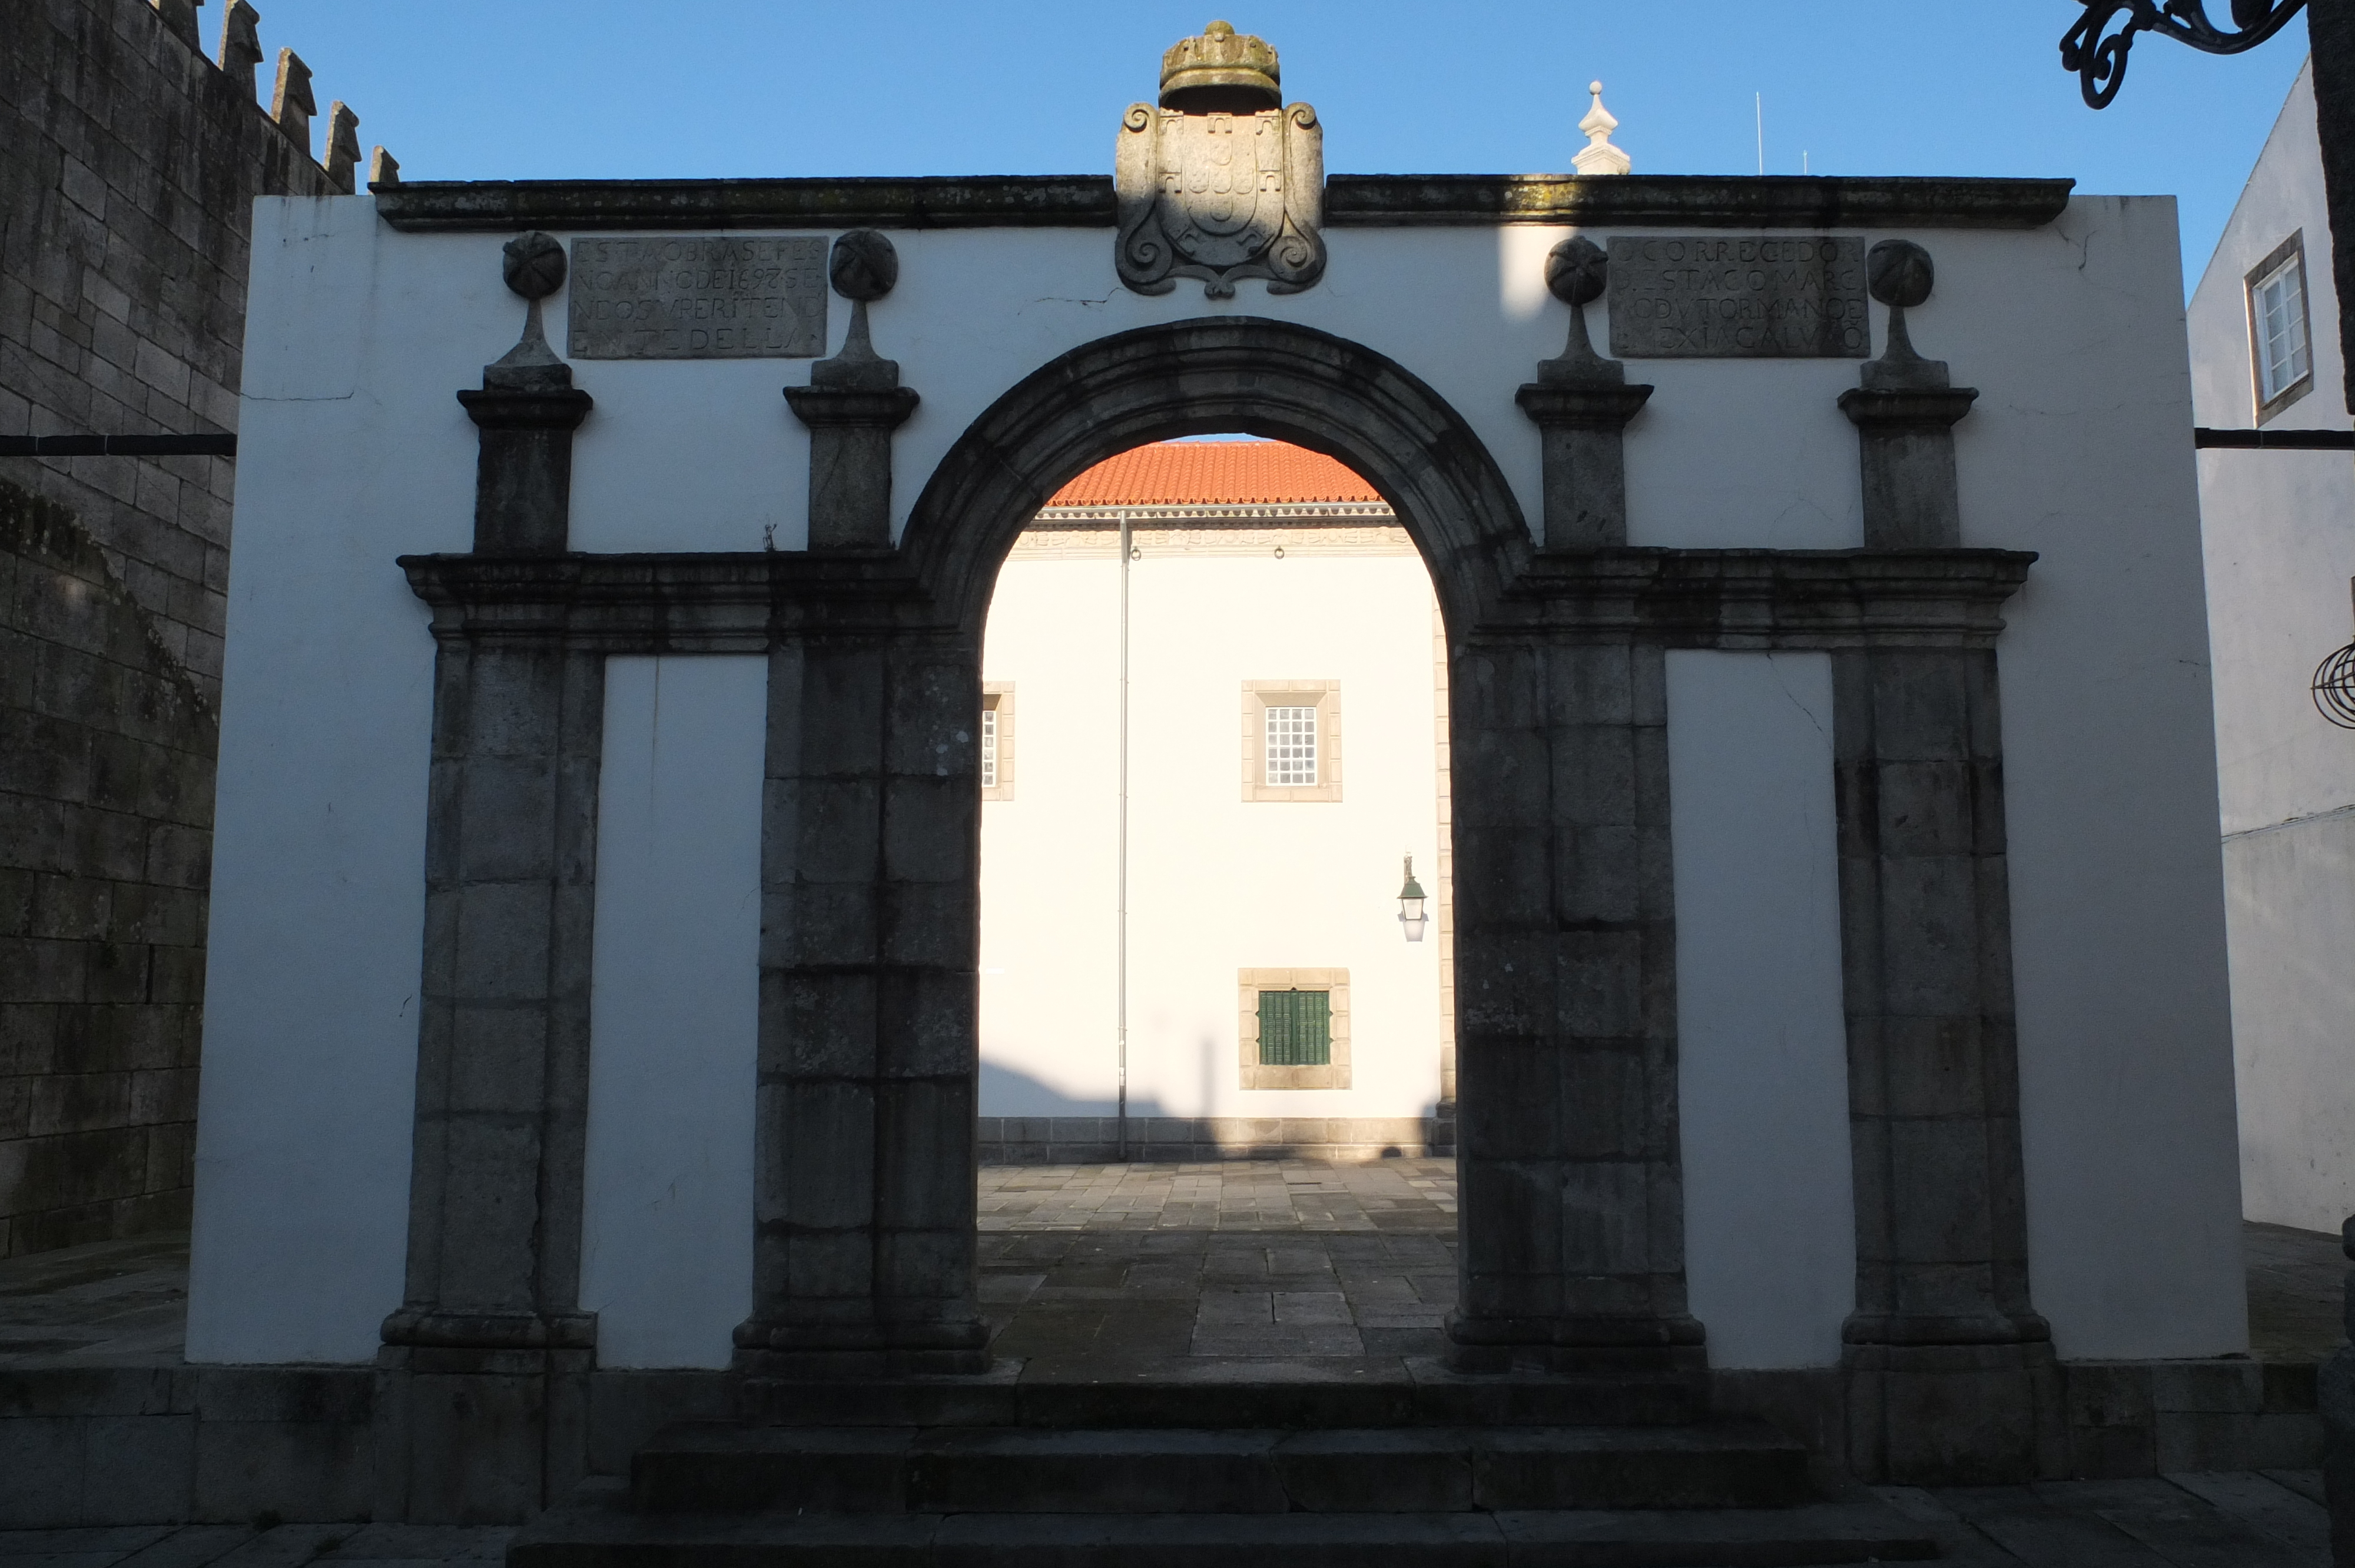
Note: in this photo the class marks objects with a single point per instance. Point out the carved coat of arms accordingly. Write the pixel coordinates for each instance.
(1222, 180)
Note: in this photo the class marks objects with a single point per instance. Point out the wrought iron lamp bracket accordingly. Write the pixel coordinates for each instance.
(2100, 61)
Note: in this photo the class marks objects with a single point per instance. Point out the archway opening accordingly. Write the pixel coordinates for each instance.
(1216, 1007)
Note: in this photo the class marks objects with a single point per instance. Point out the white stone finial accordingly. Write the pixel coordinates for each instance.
(1599, 156)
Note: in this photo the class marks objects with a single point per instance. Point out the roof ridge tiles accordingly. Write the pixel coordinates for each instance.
(1215, 473)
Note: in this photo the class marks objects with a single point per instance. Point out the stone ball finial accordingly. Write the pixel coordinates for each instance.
(1899, 273)
(863, 265)
(1219, 70)
(1576, 270)
(533, 264)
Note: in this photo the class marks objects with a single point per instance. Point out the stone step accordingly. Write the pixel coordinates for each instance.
(1860, 1530)
(1327, 1393)
(1167, 1470)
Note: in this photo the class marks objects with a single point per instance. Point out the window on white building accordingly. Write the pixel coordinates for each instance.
(1290, 751)
(996, 738)
(1292, 740)
(2278, 334)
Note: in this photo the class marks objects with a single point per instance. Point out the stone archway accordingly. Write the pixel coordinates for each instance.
(1568, 1146)
(1230, 373)
(1571, 1198)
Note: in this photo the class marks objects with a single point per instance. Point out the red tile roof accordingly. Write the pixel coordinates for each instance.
(1214, 473)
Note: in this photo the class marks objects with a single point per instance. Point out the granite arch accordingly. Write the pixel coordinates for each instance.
(1205, 376)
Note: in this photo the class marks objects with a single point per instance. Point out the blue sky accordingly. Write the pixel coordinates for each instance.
(544, 89)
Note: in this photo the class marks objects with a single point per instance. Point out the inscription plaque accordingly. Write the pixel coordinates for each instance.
(690, 296)
(1766, 296)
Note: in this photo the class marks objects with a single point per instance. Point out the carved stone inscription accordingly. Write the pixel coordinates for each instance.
(690, 296)
(1765, 296)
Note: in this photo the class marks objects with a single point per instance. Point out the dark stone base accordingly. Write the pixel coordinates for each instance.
(167, 1444)
(1954, 1414)
(478, 1436)
(833, 1351)
(816, 1365)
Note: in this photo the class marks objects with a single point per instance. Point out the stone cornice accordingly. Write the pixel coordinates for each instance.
(743, 603)
(688, 602)
(1352, 201)
(1767, 598)
(1691, 201)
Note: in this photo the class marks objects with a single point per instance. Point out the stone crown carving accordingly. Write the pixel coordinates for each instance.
(1220, 68)
(1216, 181)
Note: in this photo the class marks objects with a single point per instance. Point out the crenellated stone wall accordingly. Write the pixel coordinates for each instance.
(129, 163)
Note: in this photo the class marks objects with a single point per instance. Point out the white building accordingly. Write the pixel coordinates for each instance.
(1285, 718)
(2279, 527)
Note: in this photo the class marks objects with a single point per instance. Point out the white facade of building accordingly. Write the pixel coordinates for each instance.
(2279, 528)
(1323, 614)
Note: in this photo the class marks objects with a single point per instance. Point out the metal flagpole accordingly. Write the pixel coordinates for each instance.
(1123, 920)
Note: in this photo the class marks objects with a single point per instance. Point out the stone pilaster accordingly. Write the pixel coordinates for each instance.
(1950, 1371)
(852, 405)
(484, 1375)
(1906, 412)
(1581, 403)
(1572, 1193)
(865, 1182)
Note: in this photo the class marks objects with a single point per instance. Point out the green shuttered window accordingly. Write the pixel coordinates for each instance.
(1295, 1028)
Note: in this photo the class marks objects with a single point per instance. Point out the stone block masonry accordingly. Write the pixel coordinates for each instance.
(106, 763)
(128, 167)
(129, 163)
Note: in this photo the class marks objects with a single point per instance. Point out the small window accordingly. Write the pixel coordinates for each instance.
(996, 741)
(1292, 740)
(2278, 337)
(1291, 748)
(1295, 1029)
(1293, 1026)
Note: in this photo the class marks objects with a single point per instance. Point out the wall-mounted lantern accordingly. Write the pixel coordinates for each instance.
(2334, 686)
(1411, 902)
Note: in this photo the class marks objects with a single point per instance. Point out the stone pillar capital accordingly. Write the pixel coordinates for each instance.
(850, 407)
(1599, 406)
(526, 408)
(1908, 408)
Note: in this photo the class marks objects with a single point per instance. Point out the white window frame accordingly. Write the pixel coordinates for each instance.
(2286, 262)
(1324, 697)
(997, 702)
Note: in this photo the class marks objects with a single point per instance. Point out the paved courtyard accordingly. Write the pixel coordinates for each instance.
(1102, 1269)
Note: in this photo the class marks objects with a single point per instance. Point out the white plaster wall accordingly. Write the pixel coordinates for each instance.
(1761, 1040)
(1216, 883)
(318, 892)
(2077, 449)
(2280, 539)
(2072, 332)
(667, 1232)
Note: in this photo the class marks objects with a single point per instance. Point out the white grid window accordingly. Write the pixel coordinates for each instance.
(1290, 751)
(2277, 307)
(989, 747)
